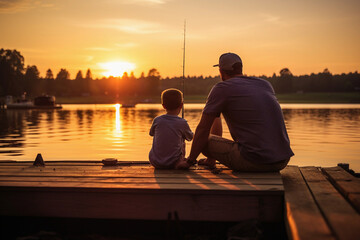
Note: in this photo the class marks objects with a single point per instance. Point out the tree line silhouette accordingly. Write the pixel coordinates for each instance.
(15, 79)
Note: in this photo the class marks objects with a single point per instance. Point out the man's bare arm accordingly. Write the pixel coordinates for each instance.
(201, 136)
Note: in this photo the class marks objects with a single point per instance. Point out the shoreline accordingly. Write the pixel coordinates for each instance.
(333, 97)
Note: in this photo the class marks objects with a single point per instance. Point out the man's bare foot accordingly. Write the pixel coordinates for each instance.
(182, 165)
(209, 162)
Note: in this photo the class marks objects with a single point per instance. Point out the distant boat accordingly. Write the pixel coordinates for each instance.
(41, 102)
(128, 105)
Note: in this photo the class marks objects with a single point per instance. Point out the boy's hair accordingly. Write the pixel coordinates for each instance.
(171, 98)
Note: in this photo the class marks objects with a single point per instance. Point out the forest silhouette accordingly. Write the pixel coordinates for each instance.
(15, 79)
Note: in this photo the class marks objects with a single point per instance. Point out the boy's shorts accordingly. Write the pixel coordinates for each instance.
(227, 152)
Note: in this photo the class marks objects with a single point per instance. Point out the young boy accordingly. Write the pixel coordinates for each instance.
(169, 132)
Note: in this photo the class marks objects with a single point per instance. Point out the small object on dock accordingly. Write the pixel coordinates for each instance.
(344, 166)
(39, 161)
(109, 161)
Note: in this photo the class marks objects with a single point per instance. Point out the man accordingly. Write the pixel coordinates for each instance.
(255, 120)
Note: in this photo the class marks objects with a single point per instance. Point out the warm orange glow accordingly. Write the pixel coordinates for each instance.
(116, 69)
(298, 40)
(117, 119)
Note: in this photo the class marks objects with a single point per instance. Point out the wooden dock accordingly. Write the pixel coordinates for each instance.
(138, 191)
(321, 203)
(314, 202)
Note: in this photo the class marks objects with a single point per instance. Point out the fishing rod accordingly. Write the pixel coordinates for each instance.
(183, 78)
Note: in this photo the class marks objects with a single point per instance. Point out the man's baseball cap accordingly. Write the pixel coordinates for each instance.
(227, 61)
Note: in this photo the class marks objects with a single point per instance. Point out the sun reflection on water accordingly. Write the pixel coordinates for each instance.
(118, 130)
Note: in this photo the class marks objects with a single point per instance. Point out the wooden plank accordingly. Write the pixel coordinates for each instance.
(194, 207)
(255, 181)
(133, 168)
(303, 218)
(95, 167)
(354, 199)
(337, 173)
(348, 187)
(183, 187)
(130, 172)
(346, 184)
(127, 169)
(66, 161)
(344, 181)
(101, 168)
(76, 165)
(125, 173)
(123, 169)
(49, 163)
(342, 218)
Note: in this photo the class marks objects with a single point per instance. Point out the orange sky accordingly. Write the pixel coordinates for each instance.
(305, 36)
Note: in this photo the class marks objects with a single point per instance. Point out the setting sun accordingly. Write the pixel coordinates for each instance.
(116, 69)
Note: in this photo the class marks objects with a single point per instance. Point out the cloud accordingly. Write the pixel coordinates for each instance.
(126, 45)
(13, 6)
(89, 58)
(101, 49)
(10, 3)
(273, 19)
(141, 2)
(107, 49)
(132, 26)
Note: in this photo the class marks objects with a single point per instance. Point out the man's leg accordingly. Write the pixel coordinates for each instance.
(221, 149)
(227, 152)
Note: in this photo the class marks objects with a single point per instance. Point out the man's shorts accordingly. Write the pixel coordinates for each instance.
(227, 152)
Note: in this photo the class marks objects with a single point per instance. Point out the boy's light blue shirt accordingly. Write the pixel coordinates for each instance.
(169, 132)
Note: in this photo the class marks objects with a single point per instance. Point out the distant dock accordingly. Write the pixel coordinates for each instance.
(315, 203)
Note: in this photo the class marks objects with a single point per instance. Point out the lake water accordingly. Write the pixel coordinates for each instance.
(320, 134)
